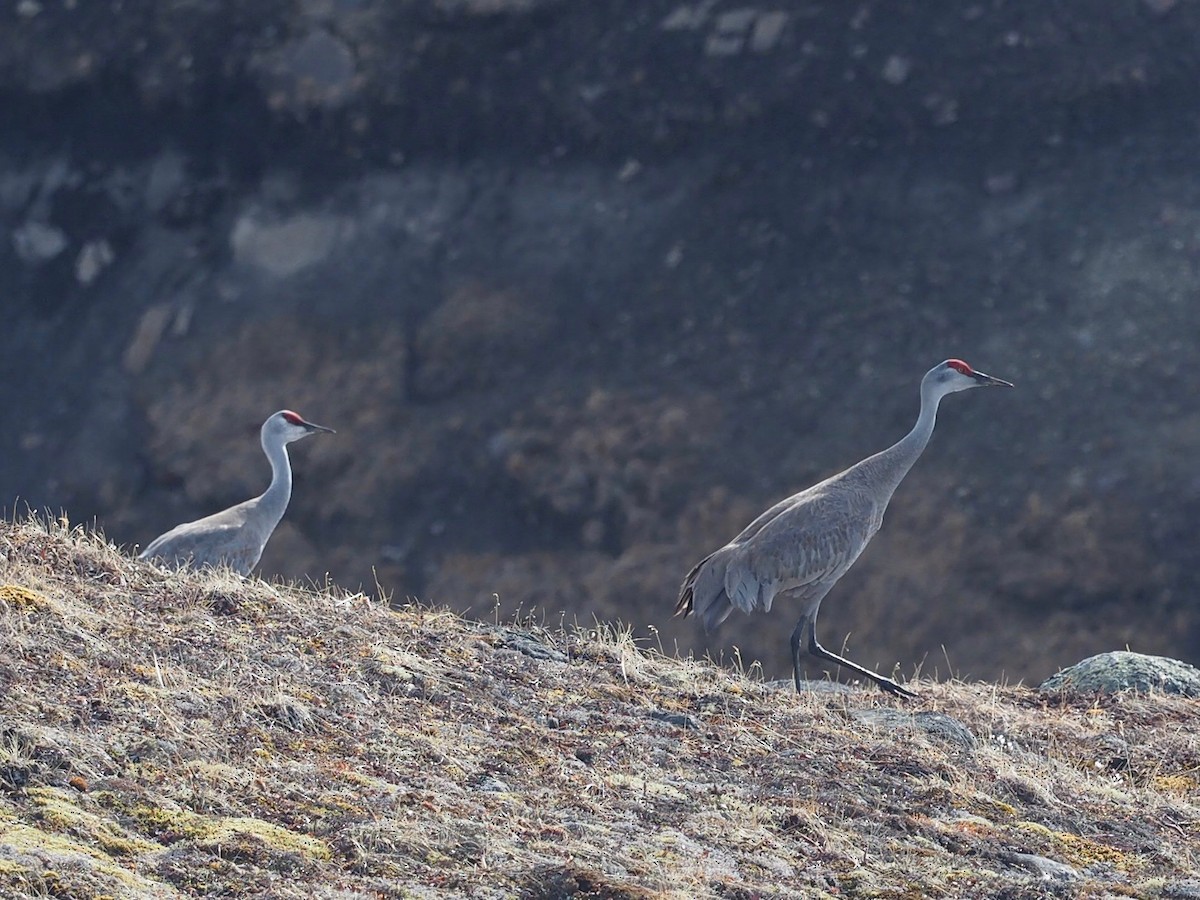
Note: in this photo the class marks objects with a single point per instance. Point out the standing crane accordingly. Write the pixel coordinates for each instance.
(801, 546)
(236, 536)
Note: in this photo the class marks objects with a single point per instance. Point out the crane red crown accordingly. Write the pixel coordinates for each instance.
(960, 366)
(292, 417)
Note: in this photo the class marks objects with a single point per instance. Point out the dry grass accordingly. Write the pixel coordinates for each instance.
(169, 735)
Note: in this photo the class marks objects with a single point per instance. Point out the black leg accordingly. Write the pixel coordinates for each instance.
(809, 624)
(798, 651)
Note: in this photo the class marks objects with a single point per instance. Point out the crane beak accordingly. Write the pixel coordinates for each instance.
(986, 380)
(313, 427)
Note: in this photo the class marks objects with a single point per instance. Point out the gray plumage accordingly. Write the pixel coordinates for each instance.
(801, 546)
(235, 537)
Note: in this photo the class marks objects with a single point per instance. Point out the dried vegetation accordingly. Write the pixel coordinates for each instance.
(168, 735)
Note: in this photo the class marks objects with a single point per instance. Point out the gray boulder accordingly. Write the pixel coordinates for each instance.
(1121, 670)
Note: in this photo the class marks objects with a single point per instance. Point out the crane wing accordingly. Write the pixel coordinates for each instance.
(219, 539)
(805, 547)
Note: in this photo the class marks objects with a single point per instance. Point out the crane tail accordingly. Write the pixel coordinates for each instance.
(703, 593)
(687, 592)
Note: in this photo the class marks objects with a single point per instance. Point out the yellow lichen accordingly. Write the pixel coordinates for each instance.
(1077, 850)
(135, 691)
(1176, 784)
(182, 824)
(644, 786)
(173, 823)
(1081, 851)
(275, 836)
(218, 774)
(63, 848)
(993, 806)
(1036, 828)
(57, 810)
(23, 598)
(11, 867)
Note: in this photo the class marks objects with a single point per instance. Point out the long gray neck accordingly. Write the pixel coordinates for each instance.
(886, 469)
(274, 500)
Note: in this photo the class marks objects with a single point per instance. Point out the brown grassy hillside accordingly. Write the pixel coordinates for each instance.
(179, 735)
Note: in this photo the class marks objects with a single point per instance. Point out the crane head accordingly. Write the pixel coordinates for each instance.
(288, 426)
(955, 375)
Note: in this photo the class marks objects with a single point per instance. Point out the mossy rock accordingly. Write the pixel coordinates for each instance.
(1121, 670)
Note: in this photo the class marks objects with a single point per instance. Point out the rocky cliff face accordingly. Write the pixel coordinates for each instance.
(585, 286)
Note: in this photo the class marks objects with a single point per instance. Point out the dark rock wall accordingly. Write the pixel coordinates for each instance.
(585, 286)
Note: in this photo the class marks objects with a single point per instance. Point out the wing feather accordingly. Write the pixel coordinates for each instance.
(803, 547)
(219, 539)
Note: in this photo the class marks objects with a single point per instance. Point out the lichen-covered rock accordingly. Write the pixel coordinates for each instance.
(1122, 670)
(937, 726)
(1047, 869)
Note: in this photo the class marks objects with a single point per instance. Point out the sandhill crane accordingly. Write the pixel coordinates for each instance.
(236, 536)
(801, 546)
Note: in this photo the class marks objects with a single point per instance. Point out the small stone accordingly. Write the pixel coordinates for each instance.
(317, 70)
(1046, 869)
(945, 728)
(324, 65)
(813, 686)
(288, 712)
(630, 170)
(182, 322)
(94, 258)
(289, 246)
(167, 180)
(736, 21)
(1187, 889)
(1110, 752)
(146, 338)
(531, 646)
(686, 17)
(37, 242)
(938, 726)
(724, 44)
(768, 28)
(943, 109)
(679, 720)
(348, 693)
(896, 69)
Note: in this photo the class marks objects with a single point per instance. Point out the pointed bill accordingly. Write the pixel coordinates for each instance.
(986, 380)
